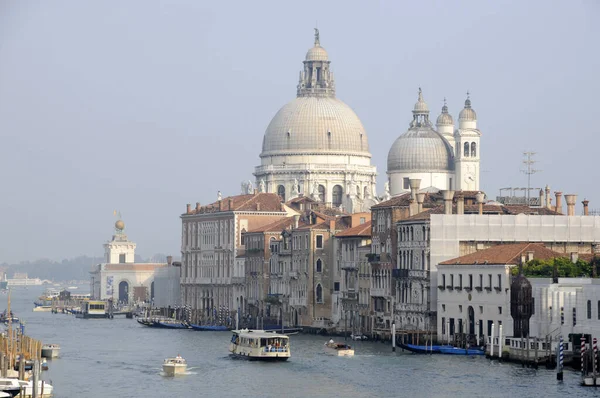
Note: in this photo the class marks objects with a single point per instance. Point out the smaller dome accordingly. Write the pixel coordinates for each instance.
(317, 53)
(420, 149)
(444, 119)
(120, 225)
(468, 113)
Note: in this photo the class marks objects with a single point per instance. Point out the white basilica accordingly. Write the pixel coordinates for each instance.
(442, 158)
(316, 145)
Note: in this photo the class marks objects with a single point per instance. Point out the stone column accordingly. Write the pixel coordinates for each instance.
(448, 196)
(558, 202)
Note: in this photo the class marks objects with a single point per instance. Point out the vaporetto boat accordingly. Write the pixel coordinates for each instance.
(259, 345)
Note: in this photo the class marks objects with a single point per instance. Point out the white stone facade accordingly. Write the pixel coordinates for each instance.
(167, 291)
(471, 298)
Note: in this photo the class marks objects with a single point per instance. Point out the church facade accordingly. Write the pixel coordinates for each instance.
(316, 145)
(441, 157)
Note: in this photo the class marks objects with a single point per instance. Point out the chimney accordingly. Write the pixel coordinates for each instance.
(585, 203)
(448, 196)
(412, 207)
(296, 221)
(571, 200)
(255, 191)
(541, 197)
(548, 205)
(529, 255)
(332, 226)
(258, 206)
(460, 203)
(230, 204)
(558, 202)
(574, 257)
(170, 260)
(415, 184)
(523, 258)
(197, 206)
(220, 205)
(480, 198)
(188, 208)
(420, 200)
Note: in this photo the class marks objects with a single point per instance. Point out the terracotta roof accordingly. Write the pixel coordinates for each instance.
(276, 226)
(505, 254)
(359, 230)
(341, 223)
(134, 266)
(268, 202)
(431, 199)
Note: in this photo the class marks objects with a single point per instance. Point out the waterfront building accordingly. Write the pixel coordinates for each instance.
(413, 286)
(351, 299)
(316, 145)
(167, 288)
(212, 274)
(460, 234)
(119, 277)
(474, 290)
(263, 270)
(445, 158)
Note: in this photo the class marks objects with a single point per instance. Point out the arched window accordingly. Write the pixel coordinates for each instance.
(336, 199)
(365, 192)
(358, 191)
(319, 266)
(322, 193)
(466, 150)
(319, 293)
(281, 192)
(473, 149)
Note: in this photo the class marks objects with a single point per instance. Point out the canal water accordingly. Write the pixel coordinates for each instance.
(121, 358)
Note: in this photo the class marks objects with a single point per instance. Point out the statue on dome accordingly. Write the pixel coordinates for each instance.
(295, 189)
(261, 186)
(317, 42)
(219, 196)
(249, 187)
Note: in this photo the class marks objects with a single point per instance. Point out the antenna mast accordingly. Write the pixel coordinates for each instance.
(529, 170)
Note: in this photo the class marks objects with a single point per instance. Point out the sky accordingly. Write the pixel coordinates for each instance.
(142, 106)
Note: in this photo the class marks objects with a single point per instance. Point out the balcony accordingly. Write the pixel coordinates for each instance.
(238, 280)
(410, 274)
(297, 302)
(293, 274)
(412, 308)
(350, 265)
(379, 292)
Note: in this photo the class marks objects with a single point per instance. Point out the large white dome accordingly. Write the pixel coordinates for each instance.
(317, 125)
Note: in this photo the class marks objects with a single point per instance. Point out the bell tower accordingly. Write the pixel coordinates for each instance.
(467, 149)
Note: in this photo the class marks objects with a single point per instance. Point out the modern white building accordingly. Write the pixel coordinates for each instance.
(316, 145)
(439, 157)
(455, 235)
(119, 277)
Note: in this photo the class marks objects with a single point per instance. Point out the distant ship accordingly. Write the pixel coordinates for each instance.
(23, 280)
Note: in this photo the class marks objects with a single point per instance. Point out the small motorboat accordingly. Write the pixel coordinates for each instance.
(174, 366)
(358, 337)
(14, 387)
(339, 349)
(50, 351)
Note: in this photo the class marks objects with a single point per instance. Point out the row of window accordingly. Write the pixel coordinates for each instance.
(469, 284)
(336, 194)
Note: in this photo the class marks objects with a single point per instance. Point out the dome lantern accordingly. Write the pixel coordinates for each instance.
(444, 119)
(420, 112)
(467, 114)
(316, 80)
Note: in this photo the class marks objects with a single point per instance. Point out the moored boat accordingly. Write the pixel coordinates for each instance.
(50, 351)
(423, 349)
(174, 366)
(259, 345)
(339, 349)
(213, 328)
(449, 350)
(14, 387)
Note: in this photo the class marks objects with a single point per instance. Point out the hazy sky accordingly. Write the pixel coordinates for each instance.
(144, 106)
